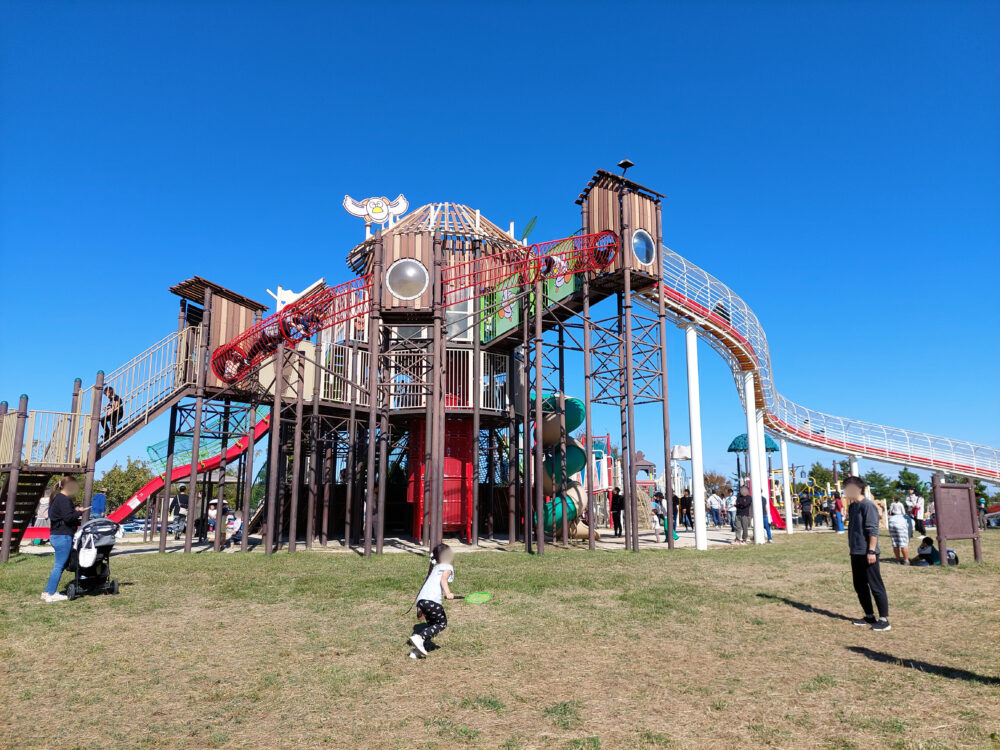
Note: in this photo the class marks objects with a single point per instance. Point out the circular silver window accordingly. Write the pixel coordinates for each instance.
(407, 278)
(643, 247)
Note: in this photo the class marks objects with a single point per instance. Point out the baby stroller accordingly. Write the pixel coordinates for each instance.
(89, 559)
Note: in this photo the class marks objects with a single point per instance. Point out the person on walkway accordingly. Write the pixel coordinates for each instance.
(730, 502)
(910, 502)
(686, 503)
(656, 510)
(918, 514)
(899, 532)
(806, 509)
(862, 543)
(744, 506)
(838, 513)
(617, 507)
(114, 409)
(179, 510)
(765, 511)
(715, 509)
(981, 511)
(64, 519)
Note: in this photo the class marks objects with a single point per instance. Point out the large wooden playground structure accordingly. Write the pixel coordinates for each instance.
(428, 396)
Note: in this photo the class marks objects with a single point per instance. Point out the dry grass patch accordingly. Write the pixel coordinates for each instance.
(605, 650)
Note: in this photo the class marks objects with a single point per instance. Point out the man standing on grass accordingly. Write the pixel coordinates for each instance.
(862, 538)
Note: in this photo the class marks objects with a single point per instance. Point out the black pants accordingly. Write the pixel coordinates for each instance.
(868, 585)
(616, 520)
(437, 620)
(807, 520)
(919, 524)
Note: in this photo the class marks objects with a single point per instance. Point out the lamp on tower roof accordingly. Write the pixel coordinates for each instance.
(625, 164)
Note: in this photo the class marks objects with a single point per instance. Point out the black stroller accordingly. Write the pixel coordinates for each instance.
(89, 559)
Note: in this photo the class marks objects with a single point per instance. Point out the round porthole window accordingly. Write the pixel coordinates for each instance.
(643, 247)
(407, 278)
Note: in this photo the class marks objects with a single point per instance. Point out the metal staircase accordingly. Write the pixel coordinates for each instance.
(728, 324)
(147, 385)
(30, 487)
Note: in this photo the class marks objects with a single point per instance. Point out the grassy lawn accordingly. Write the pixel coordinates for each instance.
(734, 647)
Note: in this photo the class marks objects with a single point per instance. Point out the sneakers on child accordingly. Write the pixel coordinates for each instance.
(882, 625)
(45, 596)
(57, 597)
(414, 654)
(417, 642)
(866, 621)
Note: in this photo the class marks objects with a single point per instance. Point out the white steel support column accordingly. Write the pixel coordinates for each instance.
(765, 476)
(694, 420)
(786, 487)
(749, 402)
(854, 466)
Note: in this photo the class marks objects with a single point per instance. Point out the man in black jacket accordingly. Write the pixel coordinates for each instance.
(744, 506)
(862, 536)
(617, 506)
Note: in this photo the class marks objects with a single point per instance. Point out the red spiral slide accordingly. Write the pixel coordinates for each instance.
(156, 483)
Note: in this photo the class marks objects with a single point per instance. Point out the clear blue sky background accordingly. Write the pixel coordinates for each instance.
(837, 163)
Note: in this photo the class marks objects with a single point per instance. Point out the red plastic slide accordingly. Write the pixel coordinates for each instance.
(777, 522)
(180, 472)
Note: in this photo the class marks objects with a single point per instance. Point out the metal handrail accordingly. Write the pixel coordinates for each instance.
(732, 328)
(149, 379)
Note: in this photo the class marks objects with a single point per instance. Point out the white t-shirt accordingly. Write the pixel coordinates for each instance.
(897, 509)
(731, 503)
(919, 505)
(714, 502)
(431, 590)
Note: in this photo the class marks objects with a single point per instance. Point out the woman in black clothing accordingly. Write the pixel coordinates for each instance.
(686, 506)
(64, 518)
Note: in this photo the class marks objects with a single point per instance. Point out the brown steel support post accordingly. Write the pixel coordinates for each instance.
(92, 442)
(588, 425)
(526, 456)
(624, 455)
(274, 451)
(383, 468)
(220, 515)
(429, 433)
(247, 480)
(563, 479)
(629, 384)
(374, 348)
(329, 470)
(492, 456)
(477, 391)
(435, 467)
(74, 411)
(539, 426)
(512, 468)
(14, 477)
(167, 477)
(352, 439)
(668, 490)
(199, 398)
(314, 476)
(293, 512)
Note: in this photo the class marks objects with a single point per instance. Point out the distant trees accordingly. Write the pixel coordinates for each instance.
(715, 482)
(120, 483)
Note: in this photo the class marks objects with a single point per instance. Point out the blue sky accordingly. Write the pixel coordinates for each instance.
(838, 164)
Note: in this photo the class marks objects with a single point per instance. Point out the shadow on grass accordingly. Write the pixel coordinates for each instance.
(952, 673)
(803, 606)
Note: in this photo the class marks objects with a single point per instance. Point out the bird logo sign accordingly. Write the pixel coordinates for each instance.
(378, 210)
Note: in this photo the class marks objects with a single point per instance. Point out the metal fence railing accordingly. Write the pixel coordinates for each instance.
(146, 381)
(53, 438)
(722, 314)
